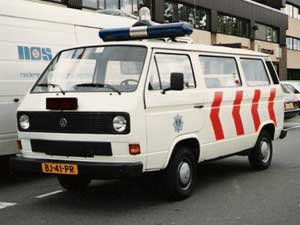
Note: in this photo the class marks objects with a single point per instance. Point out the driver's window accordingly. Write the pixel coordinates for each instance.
(154, 82)
(165, 64)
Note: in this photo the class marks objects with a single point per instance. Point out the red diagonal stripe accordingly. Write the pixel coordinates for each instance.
(236, 113)
(271, 106)
(214, 116)
(254, 109)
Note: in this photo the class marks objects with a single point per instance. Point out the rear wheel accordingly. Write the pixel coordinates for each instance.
(181, 174)
(74, 183)
(260, 157)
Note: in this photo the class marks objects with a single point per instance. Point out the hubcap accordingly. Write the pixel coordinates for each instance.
(184, 173)
(265, 151)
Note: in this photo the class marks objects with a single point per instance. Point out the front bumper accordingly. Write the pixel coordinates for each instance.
(21, 165)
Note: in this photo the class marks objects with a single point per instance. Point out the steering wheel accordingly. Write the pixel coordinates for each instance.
(126, 82)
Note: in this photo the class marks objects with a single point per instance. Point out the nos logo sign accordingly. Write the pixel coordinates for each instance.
(34, 53)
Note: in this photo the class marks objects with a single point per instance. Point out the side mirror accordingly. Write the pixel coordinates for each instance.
(176, 81)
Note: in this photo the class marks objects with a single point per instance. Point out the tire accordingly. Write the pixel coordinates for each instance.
(5, 166)
(74, 183)
(180, 176)
(260, 157)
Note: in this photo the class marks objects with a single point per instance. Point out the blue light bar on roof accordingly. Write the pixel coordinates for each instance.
(171, 30)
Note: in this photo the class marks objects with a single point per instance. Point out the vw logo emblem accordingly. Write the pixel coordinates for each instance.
(63, 122)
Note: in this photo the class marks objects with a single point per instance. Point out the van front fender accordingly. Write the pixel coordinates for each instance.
(188, 139)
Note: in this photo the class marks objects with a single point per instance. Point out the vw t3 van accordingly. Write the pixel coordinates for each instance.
(128, 108)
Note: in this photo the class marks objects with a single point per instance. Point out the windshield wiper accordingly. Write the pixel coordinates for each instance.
(52, 85)
(99, 85)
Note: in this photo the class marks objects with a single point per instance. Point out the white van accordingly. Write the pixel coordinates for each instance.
(123, 109)
(31, 35)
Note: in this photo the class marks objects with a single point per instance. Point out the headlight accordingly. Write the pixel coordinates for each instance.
(120, 123)
(24, 122)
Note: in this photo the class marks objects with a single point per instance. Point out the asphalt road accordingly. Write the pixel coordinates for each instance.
(228, 192)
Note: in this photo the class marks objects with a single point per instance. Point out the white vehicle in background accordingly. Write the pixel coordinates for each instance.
(31, 35)
(291, 102)
(293, 86)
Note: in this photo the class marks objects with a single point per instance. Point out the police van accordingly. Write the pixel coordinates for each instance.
(132, 106)
(31, 35)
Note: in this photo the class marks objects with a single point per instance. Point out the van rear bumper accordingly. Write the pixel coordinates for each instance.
(21, 165)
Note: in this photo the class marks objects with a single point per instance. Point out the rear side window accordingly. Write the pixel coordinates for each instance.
(219, 72)
(272, 72)
(165, 64)
(255, 72)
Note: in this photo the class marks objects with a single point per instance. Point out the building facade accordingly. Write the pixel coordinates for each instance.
(243, 23)
(292, 9)
(259, 25)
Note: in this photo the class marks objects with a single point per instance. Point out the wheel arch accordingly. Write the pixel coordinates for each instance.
(270, 128)
(191, 141)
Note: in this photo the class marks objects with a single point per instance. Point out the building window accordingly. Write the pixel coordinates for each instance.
(197, 16)
(233, 25)
(266, 33)
(92, 4)
(293, 74)
(112, 4)
(56, 1)
(101, 4)
(292, 11)
(127, 6)
(169, 14)
(293, 43)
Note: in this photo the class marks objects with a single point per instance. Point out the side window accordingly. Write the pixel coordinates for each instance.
(255, 72)
(219, 72)
(154, 83)
(272, 72)
(172, 63)
(286, 89)
(292, 88)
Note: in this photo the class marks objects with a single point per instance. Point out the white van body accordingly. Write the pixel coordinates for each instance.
(31, 35)
(210, 117)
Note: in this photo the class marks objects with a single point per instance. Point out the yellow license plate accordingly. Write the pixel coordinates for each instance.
(289, 105)
(57, 168)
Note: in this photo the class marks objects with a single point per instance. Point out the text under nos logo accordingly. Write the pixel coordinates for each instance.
(34, 53)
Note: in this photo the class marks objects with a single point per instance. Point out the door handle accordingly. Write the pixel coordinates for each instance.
(199, 106)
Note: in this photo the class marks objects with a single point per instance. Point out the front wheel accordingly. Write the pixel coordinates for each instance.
(181, 174)
(74, 183)
(260, 157)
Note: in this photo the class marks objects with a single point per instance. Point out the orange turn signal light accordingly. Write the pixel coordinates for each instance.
(134, 149)
(19, 145)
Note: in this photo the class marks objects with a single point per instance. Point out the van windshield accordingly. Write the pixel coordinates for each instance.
(94, 69)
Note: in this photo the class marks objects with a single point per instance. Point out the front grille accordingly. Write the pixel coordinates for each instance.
(74, 122)
(67, 148)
